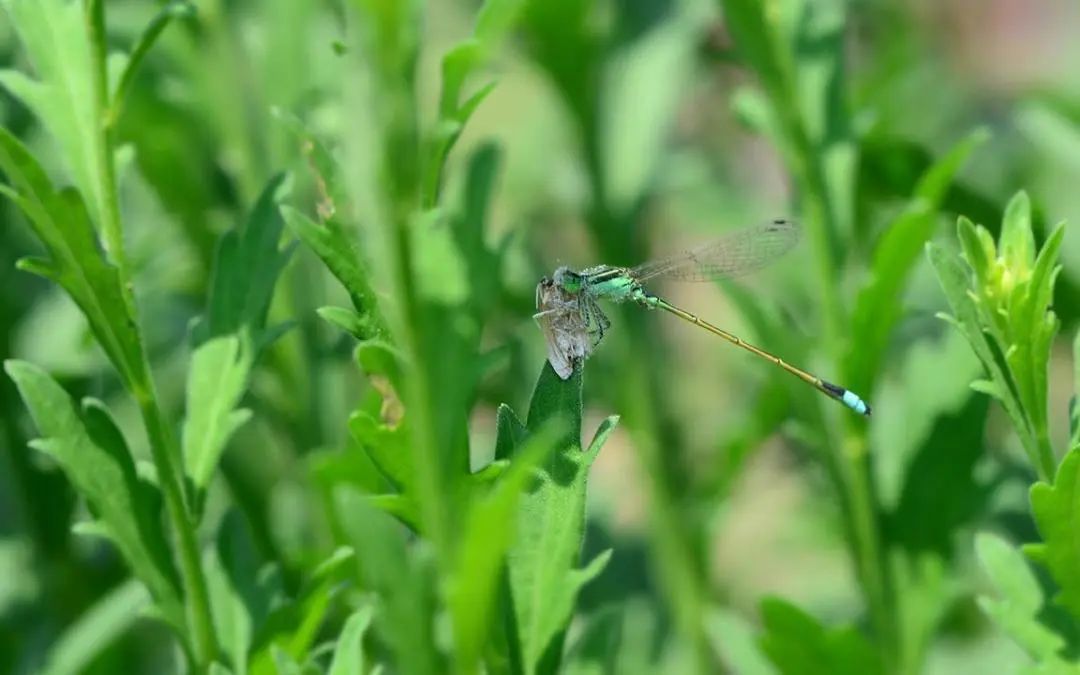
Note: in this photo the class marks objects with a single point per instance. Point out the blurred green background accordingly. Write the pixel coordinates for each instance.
(618, 130)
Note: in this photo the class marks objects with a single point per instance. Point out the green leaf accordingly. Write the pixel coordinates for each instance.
(732, 637)
(96, 629)
(231, 335)
(754, 38)
(941, 493)
(248, 263)
(494, 20)
(176, 9)
(1017, 243)
(292, 627)
(878, 307)
(1020, 600)
(618, 639)
(798, 645)
(1074, 402)
(401, 575)
(818, 37)
(382, 430)
(1055, 510)
(933, 381)
(336, 249)
(217, 379)
(387, 443)
(349, 652)
(243, 591)
(281, 662)
(488, 532)
(637, 127)
(979, 249)
(89, 447)
(348, 320)
(544, 578)
(75, 262)
(596, 650)
(509, 432)
(483, 264)
(955, 280)
(55, 37)
(1038, 321)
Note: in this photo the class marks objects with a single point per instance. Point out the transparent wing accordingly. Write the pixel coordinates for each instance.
(735, 254)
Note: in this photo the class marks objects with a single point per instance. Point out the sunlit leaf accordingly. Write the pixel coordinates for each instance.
(543, 562)
(349, 653)
(89, 447)
(798, 645)
(75, 262)
(1055, 511)
(1020, 599)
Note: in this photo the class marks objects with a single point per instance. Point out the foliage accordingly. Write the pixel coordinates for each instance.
(283, 264)
(1001, 303)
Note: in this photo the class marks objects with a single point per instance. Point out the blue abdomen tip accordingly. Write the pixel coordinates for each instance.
(852, 400)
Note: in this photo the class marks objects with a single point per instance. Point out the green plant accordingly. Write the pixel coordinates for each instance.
(1001, 299)
(289, 252)
(225, 610)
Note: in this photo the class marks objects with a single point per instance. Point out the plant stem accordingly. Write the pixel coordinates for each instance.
(680, 570)
(681, 574)
(111, 227)
(847, 450)
(163, 447)
(870, 563)
(1046, 462)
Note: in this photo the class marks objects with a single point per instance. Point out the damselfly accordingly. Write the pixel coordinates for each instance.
(574, 324)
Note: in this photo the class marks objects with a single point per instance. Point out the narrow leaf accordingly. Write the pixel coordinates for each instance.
(334, 247)
(878, 306)
(216, 382)
(544, 577)
(86, 443)
(1055, 510)
(176, 9)
(401, 576)
(249, 261)
(55, 37)
(1017, 243)
(488, 532)
(96, 629)
(76, 263)
(1020, 598)
(349, 653)
(798, 645)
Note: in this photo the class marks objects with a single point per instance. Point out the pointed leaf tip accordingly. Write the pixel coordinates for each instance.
(600, 437)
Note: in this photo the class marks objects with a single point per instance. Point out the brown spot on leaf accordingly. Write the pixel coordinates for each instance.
(392, 409)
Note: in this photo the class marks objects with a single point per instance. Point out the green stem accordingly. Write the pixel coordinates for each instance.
(871, 565)
(681, 575)
(163, 446)
(1045, 462)
(111, 228)
(849, 449)
(680, 570)
(163, 449)
(427, 460)
(852, 466)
